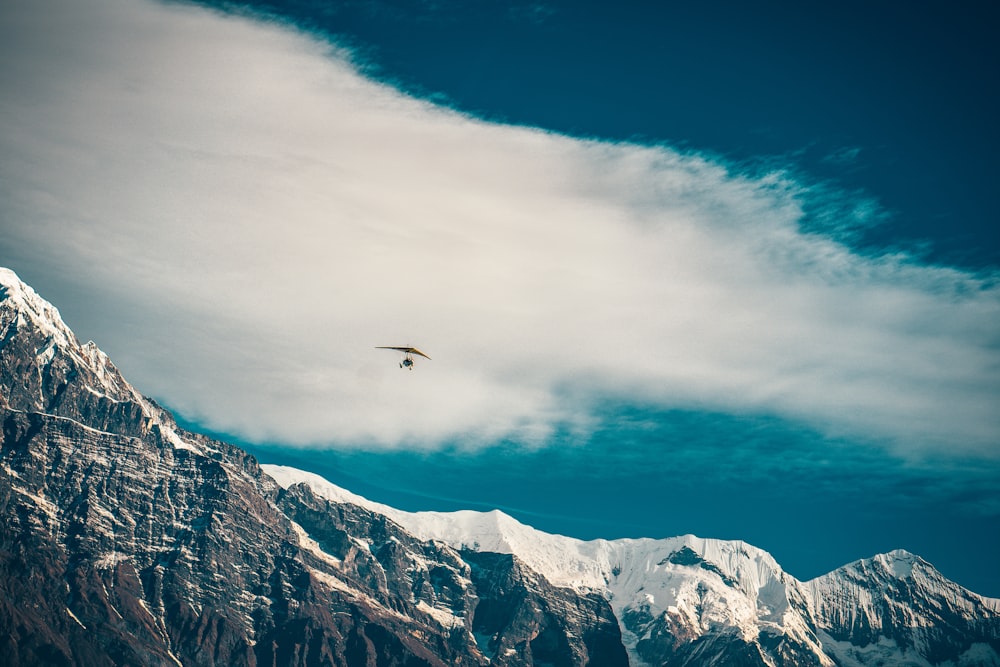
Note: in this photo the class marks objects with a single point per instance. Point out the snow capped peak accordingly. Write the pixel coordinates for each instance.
(900, 562)
(902, 554)
(22, 300)
(29, 321)
(20, 305)
(10, 281)
(894, 607)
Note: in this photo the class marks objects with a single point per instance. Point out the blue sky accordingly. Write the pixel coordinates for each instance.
(894, 102)
(713, 270)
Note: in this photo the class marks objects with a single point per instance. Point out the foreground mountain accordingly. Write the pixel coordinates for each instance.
(128, 540)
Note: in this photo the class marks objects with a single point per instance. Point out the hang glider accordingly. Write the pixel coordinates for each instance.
(408, 353)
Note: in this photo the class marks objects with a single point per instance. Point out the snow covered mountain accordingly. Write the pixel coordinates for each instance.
(688, 600)
(127, 540)
(896, 608)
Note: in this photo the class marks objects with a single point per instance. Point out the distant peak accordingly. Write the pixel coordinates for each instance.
(899, 562)
(899, 556)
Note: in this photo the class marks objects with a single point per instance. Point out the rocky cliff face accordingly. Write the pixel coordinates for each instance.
(513, 615)
(897, 606)
(693, 601)
(126, 540)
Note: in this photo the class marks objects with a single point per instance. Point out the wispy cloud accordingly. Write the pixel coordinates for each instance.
(844, 155)
(248, 217)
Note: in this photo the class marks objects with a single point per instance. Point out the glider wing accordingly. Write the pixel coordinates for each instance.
(407, 350)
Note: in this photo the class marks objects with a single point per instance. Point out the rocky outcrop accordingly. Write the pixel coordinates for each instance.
(522, 619)
(512, 615)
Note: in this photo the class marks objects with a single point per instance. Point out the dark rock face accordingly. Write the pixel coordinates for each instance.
(490, 604)
(127, 541)
(687, 556)
(522, 619)
(118, 533)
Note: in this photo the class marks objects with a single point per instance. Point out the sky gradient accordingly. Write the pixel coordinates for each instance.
(677, 274)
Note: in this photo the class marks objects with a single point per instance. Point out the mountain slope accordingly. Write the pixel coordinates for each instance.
(688, 600)
(125, 539)
(897, 604)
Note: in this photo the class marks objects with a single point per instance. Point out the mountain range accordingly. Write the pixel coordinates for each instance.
(128, 540)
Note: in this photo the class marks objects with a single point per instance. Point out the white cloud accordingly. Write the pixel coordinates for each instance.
(250, 217)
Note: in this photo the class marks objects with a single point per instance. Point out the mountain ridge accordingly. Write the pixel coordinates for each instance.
(127, 539)
(592, 564)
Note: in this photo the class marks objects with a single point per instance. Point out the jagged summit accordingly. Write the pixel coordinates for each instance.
(44, 368)
(19, 298)
(21, 305)
(901, 562)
